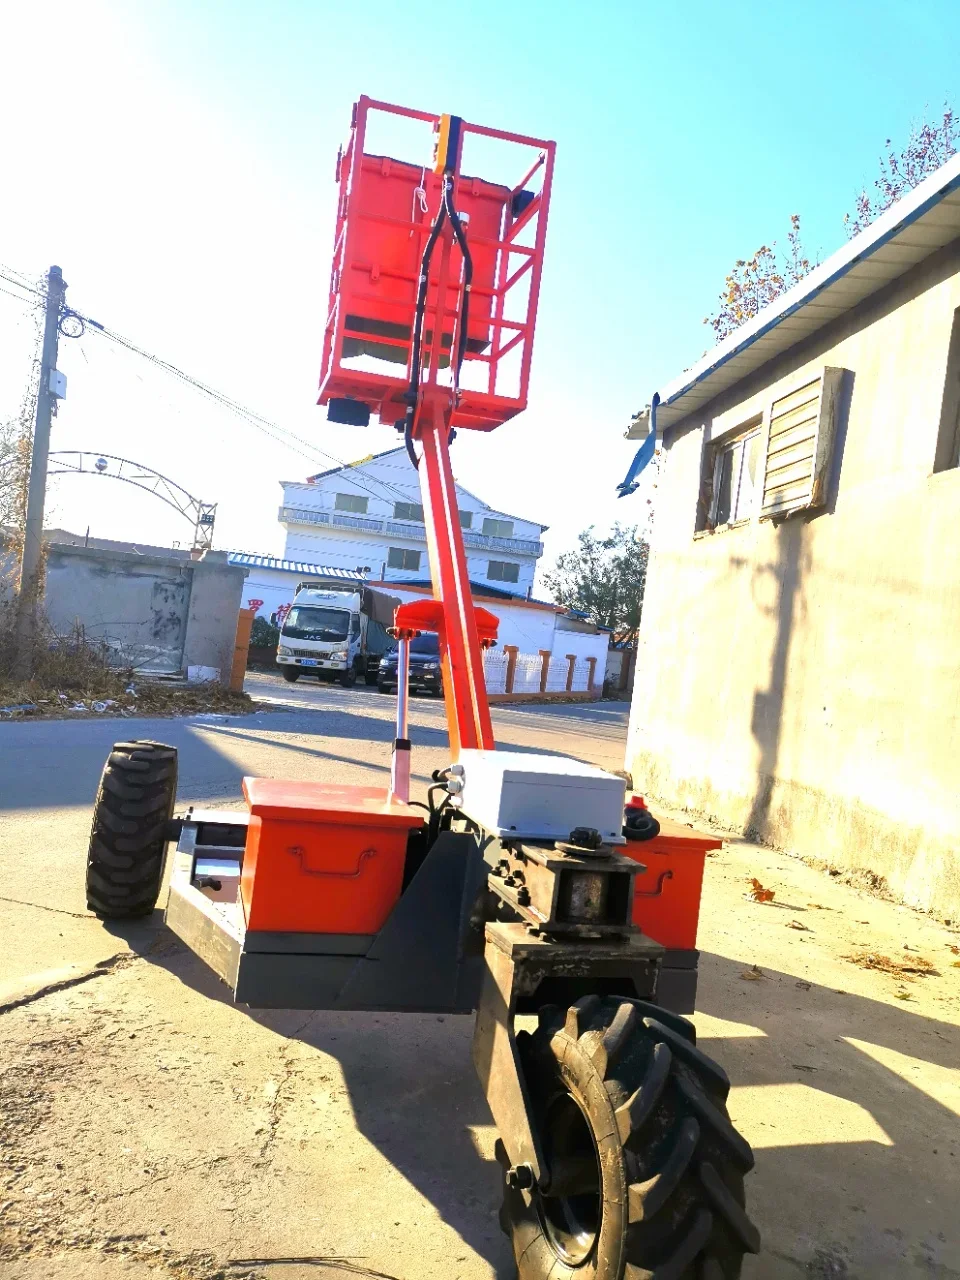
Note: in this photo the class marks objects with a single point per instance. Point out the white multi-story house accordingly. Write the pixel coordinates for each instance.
(366, 517)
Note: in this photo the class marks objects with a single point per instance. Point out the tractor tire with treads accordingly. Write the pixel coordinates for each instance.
(128, 838)
(646, 1169)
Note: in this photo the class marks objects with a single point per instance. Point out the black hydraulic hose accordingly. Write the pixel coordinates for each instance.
(413, 391)
(408, 439)
(461, 239)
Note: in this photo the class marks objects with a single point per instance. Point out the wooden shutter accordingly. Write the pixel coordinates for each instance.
(802, 425)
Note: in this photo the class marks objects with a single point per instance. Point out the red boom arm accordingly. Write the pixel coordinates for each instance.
(439, 272)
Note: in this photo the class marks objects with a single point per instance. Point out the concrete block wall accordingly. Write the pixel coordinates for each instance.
(154, 612)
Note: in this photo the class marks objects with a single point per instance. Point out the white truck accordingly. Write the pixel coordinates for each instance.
(335, 633)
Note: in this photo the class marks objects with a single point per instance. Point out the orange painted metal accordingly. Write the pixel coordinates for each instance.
(464, 688)
(427, 615)
(241, 649)
(389, 212)
(322, 858)
(468, 725)
(382, 226)
(666, 903)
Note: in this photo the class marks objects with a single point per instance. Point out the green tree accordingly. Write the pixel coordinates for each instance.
(757, 281)
(931, 144)
(605, 579)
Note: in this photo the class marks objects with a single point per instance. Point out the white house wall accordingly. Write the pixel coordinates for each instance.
(530, 629)
(275, 587)
(382, 482)
(352, 553)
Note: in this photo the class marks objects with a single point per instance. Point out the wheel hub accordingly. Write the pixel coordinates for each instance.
(571, 1208)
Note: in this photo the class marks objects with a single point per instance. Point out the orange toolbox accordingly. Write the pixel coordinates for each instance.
(666, 901)
(321, 858)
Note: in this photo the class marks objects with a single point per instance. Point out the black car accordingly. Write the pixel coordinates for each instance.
(424, 666)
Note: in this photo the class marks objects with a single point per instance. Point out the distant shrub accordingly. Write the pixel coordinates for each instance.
(264, 635)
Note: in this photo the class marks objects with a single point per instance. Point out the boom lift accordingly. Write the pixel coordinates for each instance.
(515, 891)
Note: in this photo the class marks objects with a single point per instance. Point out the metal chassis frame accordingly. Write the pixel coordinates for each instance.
(422, 959)
(429, 957)
(518, 963)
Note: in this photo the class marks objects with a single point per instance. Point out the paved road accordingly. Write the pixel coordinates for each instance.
(151, 1130)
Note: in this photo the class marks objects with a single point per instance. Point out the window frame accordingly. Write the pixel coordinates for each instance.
(403, 552)
(509, 524)
(349, 499)
(947, 450)
(415, 506)
(768, 502)
(503, 564)
(829, 407)
(754, 428)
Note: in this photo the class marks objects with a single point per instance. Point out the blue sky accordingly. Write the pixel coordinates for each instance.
(188, 195)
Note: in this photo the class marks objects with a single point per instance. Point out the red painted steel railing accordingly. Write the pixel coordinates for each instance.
(381, 230)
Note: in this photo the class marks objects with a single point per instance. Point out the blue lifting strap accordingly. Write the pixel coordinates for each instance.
(630, 483)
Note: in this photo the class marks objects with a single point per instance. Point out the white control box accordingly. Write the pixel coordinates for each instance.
(540, 797)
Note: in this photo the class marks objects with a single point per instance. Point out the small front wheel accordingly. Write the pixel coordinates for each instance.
(645, 1169)
(128, 839)
(290, 674)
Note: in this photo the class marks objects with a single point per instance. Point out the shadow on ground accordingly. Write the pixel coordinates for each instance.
(412, 1090)
(216, 752)
(841, 1126)
(416, 1099)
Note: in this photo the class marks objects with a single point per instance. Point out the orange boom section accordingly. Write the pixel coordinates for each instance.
(322, 858)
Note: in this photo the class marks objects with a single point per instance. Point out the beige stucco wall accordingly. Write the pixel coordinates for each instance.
(801, 681)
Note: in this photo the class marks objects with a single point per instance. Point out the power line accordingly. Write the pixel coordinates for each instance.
(27, 302)
(256, 420)
(21, 280)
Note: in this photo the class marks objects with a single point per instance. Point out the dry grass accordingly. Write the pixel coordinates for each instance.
(71, 677)
(910, 966)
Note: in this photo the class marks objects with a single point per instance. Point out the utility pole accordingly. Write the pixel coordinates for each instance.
(31, 554)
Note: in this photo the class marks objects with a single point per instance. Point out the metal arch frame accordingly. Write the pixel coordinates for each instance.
(201, 514)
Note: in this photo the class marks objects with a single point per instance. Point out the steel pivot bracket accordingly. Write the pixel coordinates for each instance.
(524, 970)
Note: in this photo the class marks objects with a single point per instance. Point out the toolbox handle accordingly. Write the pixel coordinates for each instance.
(298, 851)
(654, 893)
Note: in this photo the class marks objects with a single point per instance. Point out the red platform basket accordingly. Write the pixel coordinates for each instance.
(386, 209)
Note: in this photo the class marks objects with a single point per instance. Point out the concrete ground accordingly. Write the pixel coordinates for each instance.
(151, 1128)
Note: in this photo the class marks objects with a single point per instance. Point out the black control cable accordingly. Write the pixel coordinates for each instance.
(447, 210)
(461, 238)
(413, 391)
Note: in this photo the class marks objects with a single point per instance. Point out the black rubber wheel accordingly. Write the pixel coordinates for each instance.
(290, 674)
(138, 789)
(384, 688)
(646, 1169)
(348, 678)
